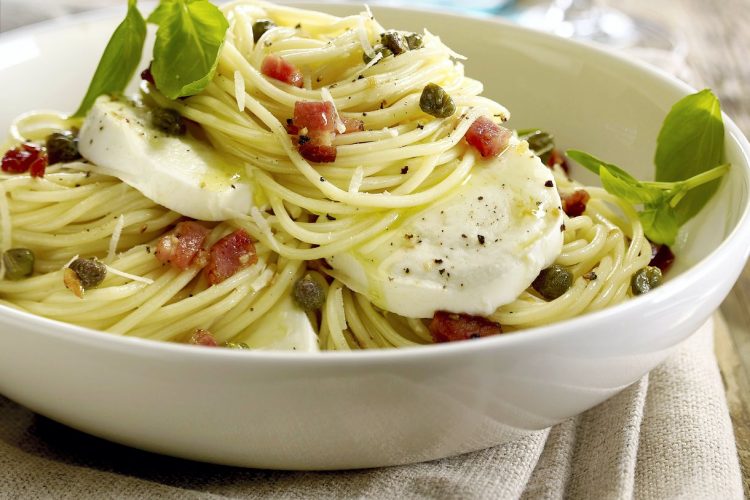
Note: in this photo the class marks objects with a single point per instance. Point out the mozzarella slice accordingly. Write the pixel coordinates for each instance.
(470, 252)
(284, 327)
(180, 173)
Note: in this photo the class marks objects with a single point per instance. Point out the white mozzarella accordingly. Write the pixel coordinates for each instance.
(180, 173)
(284, 327)
(470, 252)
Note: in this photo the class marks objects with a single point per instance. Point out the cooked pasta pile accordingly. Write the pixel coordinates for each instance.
(305, 212)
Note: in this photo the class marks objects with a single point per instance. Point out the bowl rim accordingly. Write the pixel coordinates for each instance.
(738, 237)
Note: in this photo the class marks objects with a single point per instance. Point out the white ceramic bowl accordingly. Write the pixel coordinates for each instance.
(364, 409)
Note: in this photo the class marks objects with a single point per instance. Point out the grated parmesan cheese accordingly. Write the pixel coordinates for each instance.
(373, 62)
(239, 90)
(264, 228)
(263, 280)
(364, 40)
(326, 95)
(115, 238)
(133, 277)
(356, 181)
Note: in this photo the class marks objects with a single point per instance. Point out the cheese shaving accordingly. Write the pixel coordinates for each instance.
(327, 97)
(67, 264)
(133, 277)
(264, 228)
(115, 238)
(239, 90)
(356, 181)
(373, 62)
(363, 38)
(263, 280)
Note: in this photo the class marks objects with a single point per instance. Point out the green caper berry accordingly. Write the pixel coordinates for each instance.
(236, 345)
(91, 272)
(260, 27)
(168, 121)
(309, 294)
(553, 282)
(383, 51)
(414, 41)
(645, 279)
(19, 263)
(62, 147)
(394, 41)
(436, 102)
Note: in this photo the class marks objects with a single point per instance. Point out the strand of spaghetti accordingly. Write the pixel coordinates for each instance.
(579, 250)
(325, 240)
(290, 273)
(366, 339)
(169, 312)
(201, 317)
(165, 292)
(381, 325)
(379, 225)
(332, 317)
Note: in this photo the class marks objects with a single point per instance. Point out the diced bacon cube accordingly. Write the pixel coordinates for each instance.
(315, 116)
(574, 203)
(489, 138)
(276, 67)
(317, 153)
(23, 158)
(233, 252)
(38, 166)
(449, 327)
(182, 247)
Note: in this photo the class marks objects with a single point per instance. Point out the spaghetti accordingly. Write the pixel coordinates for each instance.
(396, 159)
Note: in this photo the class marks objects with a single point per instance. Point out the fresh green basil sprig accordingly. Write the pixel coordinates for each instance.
(120, 59)
(189, 36)
(688, 159)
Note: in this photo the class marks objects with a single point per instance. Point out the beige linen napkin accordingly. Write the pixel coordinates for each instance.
(667, 436)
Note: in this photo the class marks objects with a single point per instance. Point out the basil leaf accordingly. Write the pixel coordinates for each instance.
(187, 45)
(119, 60)
(631, 191)
(691, 141)
(593, 163)
(660, 224)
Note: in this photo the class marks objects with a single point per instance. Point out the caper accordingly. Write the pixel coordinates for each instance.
(168, 121)
(394, 41)
(383, 51)
(645, 279)
(19, 263)
(414, 41)
(553, 282)
(309, 294)
(260, 27)
(62, 147)
(91, 272)
(436, 102)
